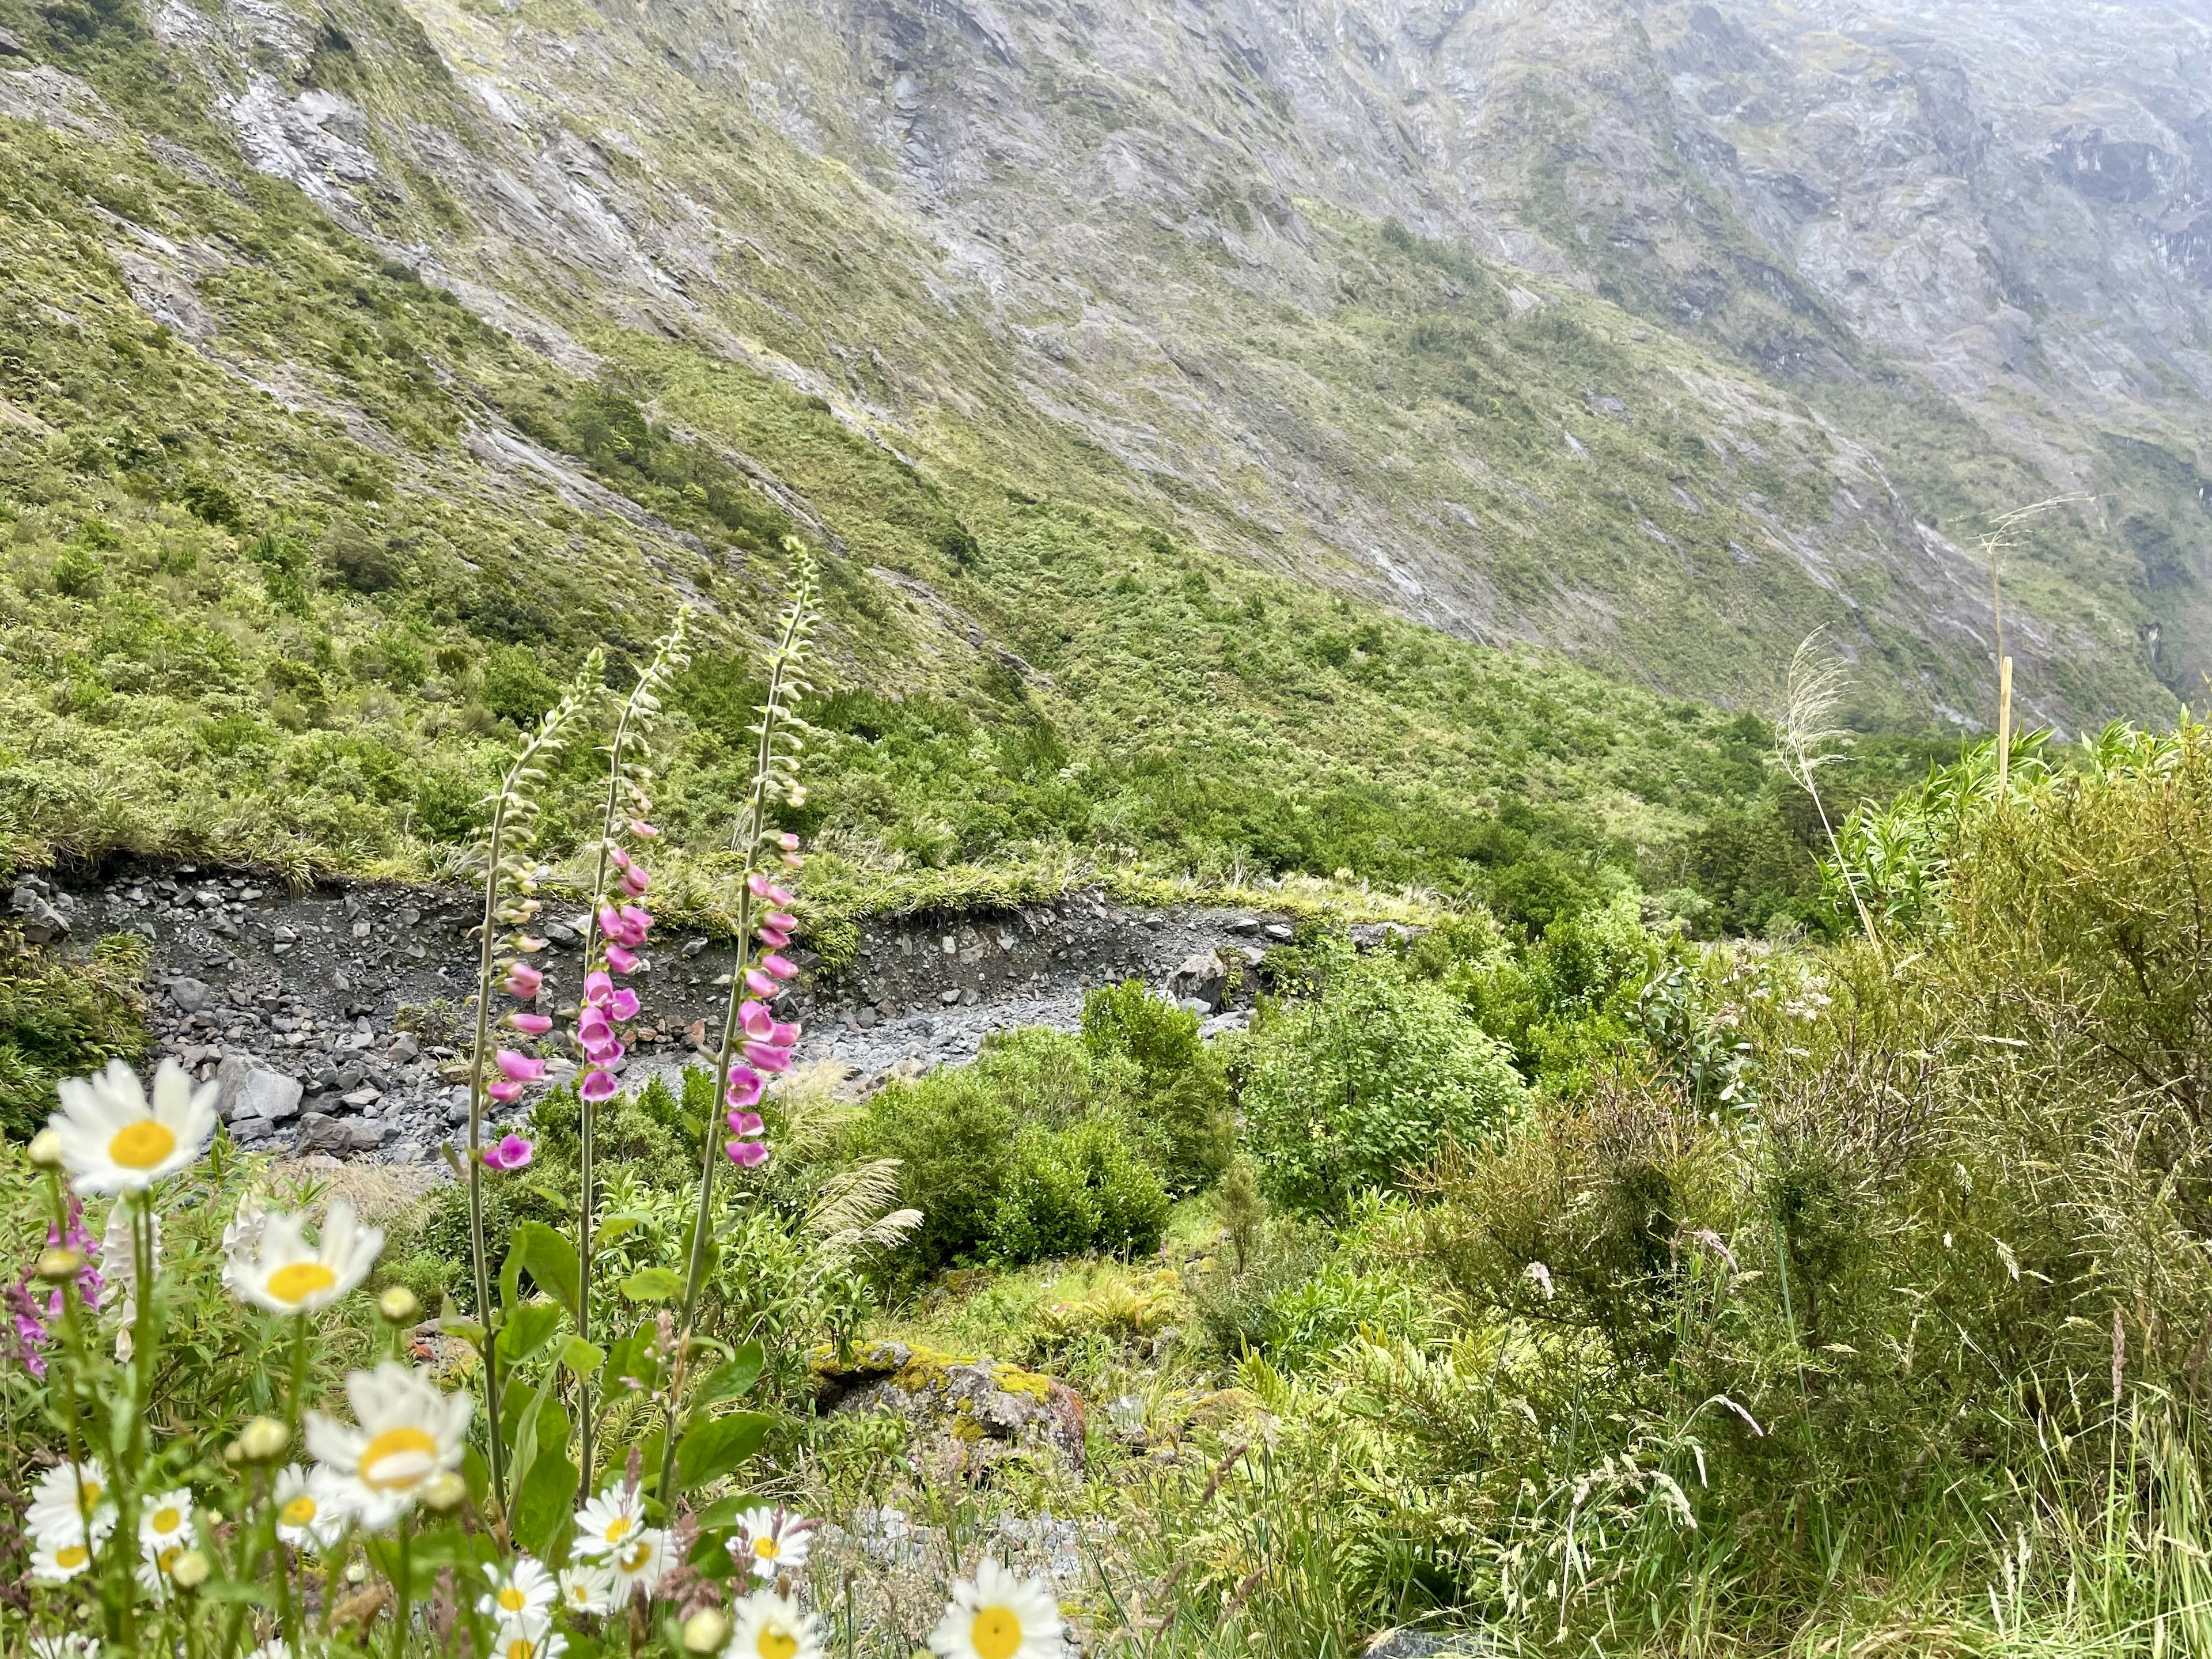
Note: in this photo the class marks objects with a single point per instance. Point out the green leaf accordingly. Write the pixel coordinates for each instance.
(527, 1330)
(727, 1383)
(223, 1590)
(581, 1359)
(542, 1502)
(652, 1285)
(615, 1227)
(550, 1259)
(723, 1512)
(711, 1449)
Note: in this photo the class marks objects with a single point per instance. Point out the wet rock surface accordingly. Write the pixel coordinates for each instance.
(978, 1411)
(335, 1021)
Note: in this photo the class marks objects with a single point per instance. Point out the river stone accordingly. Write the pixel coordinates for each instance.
(1202, 979)
(321, 1133)
(191, 994)
(983, 1412)
(244, 1088)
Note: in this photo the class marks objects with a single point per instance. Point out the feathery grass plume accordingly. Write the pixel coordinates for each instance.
(764, 927)
(1806, 743)
(612, 920)
(510, 886)
(1996, 541)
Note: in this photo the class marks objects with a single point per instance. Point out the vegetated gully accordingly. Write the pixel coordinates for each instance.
(335, 1018)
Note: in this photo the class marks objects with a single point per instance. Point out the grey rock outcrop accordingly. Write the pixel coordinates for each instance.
(246, 1089)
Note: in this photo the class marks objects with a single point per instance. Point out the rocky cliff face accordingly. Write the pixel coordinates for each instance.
(1663, 331)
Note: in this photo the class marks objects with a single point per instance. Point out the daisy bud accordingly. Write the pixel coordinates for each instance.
(47, 1150)
(263, 1440)
(399, 1305)
(58, 1265)
(189, 1570)
(705, 1631)
(444, 1491)
(529, 1024)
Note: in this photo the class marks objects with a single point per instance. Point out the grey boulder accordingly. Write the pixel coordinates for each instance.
(244, 1088)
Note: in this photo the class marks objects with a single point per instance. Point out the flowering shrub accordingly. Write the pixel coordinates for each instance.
(573, 1493)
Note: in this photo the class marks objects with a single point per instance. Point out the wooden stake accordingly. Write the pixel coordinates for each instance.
(2004, 724)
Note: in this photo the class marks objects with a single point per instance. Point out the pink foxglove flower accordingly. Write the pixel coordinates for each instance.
(755, 1019)
(530, 1025)
(775, 938)
(604, 1053)
(621, 960)
(512, 1152)
(745, 1154)
(597, 1085)
(504, 1088)
(756, 884)
(635, 881)
(519, 1068)
(745, 1086)
(522, 980)
(623, 1004)
(759, 983)
(768, 1057)
(640, 827)
(781, 967)
(780, 919)
(788, 842)
(638, 922)
(743, 1123)
(598, 987)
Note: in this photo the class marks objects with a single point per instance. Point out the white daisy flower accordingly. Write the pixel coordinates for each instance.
(765, 1626)
(996, 1615)
(608, 1521)
(154, 1571)
(409, 1432)
(58, 1508)
(59, 1562)
(274, 1648)
(118, 1271)
(520, 1590)
(283, 1272)
(640, 1565)
(310, 1506)
(113, 1140)
(770, 1540)
(528, 1641)
(165, 1523)
(241, 1237)
(68, 1645)
(587, 1589)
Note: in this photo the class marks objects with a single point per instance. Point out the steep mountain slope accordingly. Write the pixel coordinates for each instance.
(366, 361)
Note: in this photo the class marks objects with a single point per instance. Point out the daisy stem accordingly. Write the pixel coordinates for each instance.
(402, 1607)
(298, 1371)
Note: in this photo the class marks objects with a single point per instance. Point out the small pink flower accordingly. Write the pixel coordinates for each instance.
(745, 1154)
(512, 1153)
(759, 983)
(623, 1004)
(756, 884)
(755, 1019)
(598, 987)
(610, 921)
(781, 897)
(784, 1033)
(788, 842)
(639, 922)
(522, 980)
(775, 938)
(597, 1085)
(793, 861)
(530, 1025)
(745, 1086)
(593, 1028)
(781, 967)
(528, 944)
(504, 1088)
(782, 918)
(621, 960)
(635, 881)
(640, 827)
(768, 1057)
(519, 1068)
(616, 857)
(604, 1053)
(744, 1123)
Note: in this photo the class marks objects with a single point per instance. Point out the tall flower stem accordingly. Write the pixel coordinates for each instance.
(783, 682)
(511, 812)
(637, 708)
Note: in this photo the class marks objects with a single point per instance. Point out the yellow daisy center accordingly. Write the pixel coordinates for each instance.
(617, 1529)
(512, 1599)
(141, 1145)
(775, 1643)
(640, 1552)
(299, 1511)
(403, 1443)
(71, 1555)
(296, 1281)
(167, 1518)
(996, 1633)
(767, 1548)
(521, 1648)
(92, 1494)
(168, 1556)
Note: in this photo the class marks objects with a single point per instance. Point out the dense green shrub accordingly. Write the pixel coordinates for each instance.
(1183, 1114)
(60, 1019)
(1351, 1089)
